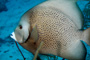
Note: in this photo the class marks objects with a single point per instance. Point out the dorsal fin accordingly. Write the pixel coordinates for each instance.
(34, 33)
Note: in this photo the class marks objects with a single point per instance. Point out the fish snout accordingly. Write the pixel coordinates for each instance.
(13, 36)
(17, 38)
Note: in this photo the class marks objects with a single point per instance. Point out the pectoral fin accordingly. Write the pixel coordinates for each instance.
(34, 33)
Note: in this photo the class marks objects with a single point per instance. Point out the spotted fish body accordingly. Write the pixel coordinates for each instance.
(57, 29)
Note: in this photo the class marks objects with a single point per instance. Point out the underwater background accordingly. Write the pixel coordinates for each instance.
(10, 14)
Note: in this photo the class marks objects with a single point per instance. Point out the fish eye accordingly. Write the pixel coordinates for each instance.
(20, 26)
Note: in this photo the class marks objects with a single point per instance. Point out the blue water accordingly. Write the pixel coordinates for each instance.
(10, 14)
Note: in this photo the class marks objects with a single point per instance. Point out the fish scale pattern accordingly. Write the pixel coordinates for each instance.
(56, 29)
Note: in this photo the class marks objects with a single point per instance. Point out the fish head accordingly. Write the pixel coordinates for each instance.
(26, 37)
(21, 32)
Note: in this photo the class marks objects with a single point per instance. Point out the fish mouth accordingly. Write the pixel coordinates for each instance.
(24, 40)
(13, 36)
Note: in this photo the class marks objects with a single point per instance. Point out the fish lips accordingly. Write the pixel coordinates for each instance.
(24, 41)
